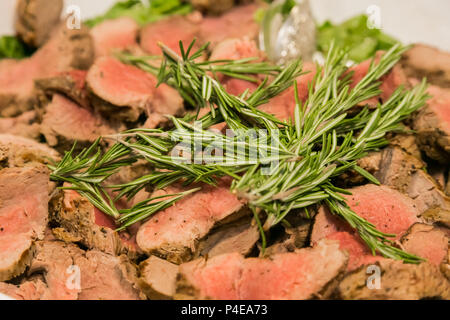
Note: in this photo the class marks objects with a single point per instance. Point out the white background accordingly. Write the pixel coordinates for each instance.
(426, 21)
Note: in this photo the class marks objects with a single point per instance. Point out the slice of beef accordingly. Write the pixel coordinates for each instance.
(402, 155)
(389, 210)
(283, 105)
(17, 151)
(427, 242)
(28, 290)
(65, 50)
(232, 277)
(25, 125)
(65, 122)
(398, 281)
(240, 236)
(115, 34)
(389, 82)
(70, 273)
(238, 22)
(77, 220)
(125, 92)
(426, 193)
(69, 83)
(391, 165)
(405, 173)
(108, 277)
(438, 216)
(236, 49)
(158, 278)
(406, 142)
(23, 216)
(423, 61)
(174, 233)
(169, 31)
(35, 20)
(433, 125)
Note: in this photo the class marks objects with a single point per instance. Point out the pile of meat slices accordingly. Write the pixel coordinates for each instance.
(55, 245)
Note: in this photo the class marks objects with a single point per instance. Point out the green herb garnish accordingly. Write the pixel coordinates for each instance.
(142, 13)
(354, 35)
(323, 140)
(11, 47)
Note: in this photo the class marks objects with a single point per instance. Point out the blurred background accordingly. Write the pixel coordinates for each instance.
(408, 20)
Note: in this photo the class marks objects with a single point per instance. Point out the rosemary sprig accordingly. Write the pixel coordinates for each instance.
(299, 184)
(89, 169)
(90, 165)
(320, 144)
(246, 69)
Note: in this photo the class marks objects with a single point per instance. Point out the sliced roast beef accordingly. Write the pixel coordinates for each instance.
(232, 277)
(427, 242)
(69, 83)
(70, 273)
(405, 173)
(108, 277)
(116, 34)
(25, 125)
(406, 141)
(65, 122)
(423, 61)
(398, 281)
(36, 19)
(238, 22)
(125, 92)
(433, 125)
(23, 216)
(283, 105)
(28, 290)
(169, 31)
(158, 278)
(240, 236)
(65, 50)
(77, 220)
(236, 49)
(389, 82)
(20, 152)
(389, 210)
(439, 217)
(174, 233)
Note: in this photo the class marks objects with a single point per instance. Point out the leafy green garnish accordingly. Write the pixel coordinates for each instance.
(287, 7)
(355, 35)
(12, 47)
(142, 13)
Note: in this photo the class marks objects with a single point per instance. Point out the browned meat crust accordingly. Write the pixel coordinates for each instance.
(35, 20)
(398, 281)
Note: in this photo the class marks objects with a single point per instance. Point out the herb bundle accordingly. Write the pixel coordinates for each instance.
(324, 139)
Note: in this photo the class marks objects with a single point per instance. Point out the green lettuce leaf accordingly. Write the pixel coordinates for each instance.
(354, 34)
(12, 47)
(141, 13)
